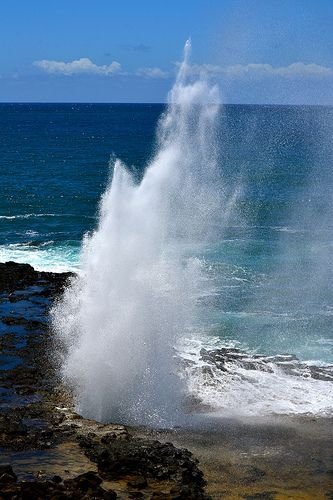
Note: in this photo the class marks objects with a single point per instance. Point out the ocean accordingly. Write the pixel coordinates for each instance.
(270, 270)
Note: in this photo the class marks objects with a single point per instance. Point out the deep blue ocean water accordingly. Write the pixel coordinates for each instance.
(273, 266)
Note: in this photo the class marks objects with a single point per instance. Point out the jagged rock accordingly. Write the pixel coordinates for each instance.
(7, 475)
(14, 276)
(84, 482)
(6, 469)
(148, 459)
(226, 360)
(42, 416)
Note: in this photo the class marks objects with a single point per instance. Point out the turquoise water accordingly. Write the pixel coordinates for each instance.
(271, 269)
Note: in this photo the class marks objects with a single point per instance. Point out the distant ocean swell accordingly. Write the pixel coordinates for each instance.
(29, 216)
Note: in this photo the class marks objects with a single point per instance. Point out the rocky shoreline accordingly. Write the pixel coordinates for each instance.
(46, 449)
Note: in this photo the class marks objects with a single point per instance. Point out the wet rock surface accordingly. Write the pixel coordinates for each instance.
(226, 359)
(85, 485)
(145, 460)
(18, 277)
(46, 449)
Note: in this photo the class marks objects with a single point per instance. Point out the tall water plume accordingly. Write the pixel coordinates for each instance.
(120, 319)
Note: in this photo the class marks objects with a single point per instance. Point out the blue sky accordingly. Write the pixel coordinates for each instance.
(259, 51)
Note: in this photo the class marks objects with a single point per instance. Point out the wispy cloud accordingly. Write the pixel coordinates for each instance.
(77, 67)
(294, 70)
(152, 73)
(86, 66)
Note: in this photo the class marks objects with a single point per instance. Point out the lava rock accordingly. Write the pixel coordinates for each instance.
(84, 482)
(7, 478)
(147, 459)
(138, 483)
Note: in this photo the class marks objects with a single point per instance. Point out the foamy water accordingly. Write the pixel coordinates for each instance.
(249, 384)
(44, 257)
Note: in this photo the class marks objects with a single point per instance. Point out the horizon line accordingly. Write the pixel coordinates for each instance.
(162, 103)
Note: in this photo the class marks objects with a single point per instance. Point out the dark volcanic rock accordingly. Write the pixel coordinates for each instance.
(37, 417)
(229, 359)
(7, 475)
(14, 276)
(87, 482)
(146, 459)
(75, 489)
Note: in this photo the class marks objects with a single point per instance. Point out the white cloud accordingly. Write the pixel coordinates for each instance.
(152, 73)
(237, 71)
(294, 70)
(301, 69)
(77, 67)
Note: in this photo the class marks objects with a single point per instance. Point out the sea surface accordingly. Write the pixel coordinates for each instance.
(271, 268)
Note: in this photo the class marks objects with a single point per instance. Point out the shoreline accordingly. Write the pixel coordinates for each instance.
(47, 450)
(41, 436)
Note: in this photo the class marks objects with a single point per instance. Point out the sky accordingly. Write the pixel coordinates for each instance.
(258, 51)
